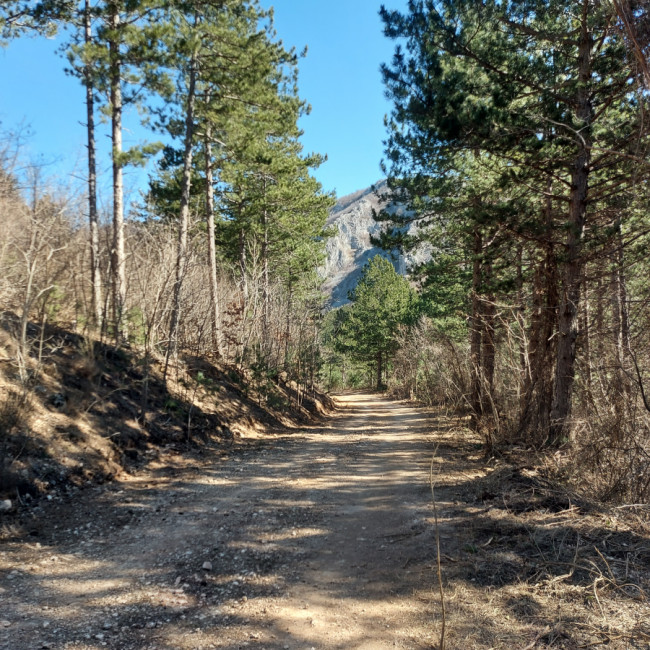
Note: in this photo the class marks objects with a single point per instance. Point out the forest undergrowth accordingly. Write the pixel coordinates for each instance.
(536, 559)
(606, 457)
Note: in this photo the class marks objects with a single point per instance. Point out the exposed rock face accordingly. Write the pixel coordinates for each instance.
(350, 247)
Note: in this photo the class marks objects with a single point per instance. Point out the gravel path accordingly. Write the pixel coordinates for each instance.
(320, 538)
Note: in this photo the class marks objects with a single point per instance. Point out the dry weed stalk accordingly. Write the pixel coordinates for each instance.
(441, 646)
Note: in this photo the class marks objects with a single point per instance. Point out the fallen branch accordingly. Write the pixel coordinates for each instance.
(533, 643)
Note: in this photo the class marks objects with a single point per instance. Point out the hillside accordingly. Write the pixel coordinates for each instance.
(92, 412)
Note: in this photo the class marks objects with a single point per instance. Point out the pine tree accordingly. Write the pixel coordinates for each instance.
(256, 179)
(80, 19)
(209, 46)
(381, 302)
(541, 94)
(17, 17)
(47, 16)
(125, 58)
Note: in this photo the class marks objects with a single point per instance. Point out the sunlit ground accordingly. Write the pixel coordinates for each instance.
(323, 538)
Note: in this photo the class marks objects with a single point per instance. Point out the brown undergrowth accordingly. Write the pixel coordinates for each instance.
(90, 411)
(528, 563)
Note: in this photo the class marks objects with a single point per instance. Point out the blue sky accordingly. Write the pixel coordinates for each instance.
(339, 77)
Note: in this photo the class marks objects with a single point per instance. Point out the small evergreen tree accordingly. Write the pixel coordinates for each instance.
(381, 302)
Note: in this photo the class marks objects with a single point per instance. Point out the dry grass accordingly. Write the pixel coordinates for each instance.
(529, 564)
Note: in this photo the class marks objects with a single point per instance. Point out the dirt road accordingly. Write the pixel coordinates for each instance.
(315, 539)
(324, 538)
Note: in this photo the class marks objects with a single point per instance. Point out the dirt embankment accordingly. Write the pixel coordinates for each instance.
(323, 537)
(90, 412)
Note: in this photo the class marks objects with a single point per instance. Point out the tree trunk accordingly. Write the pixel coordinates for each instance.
(488, 314)
(586, 332)
(620, 314)
(95, 274)
(186, 186)
(538, 385)
(475, 333)
(524, 367)
(212, 253)
(287, 333)
(31, 263)
(380, 369)
(570, 298)
(243, 268)
(620, 328)
(266, 297)
(118, 252)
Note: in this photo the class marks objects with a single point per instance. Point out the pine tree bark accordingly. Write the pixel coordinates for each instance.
(488, 355)
(266, 297)
(476, 401)
(538, 386)
(118, 257)
(620, 329)
(243, 268)
(524, 367)
(586, 334)
(620, 316)
(95, 271)
(186, 186)
(599, 317)
(217, 341)
(570, 298)
(380, 369)
(287, 331)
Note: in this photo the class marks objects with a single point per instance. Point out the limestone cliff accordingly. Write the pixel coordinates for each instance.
(350, 246)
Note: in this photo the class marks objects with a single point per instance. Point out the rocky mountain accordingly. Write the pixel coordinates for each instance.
(350, 247)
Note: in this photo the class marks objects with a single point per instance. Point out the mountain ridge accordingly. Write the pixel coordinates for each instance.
(350, 247)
